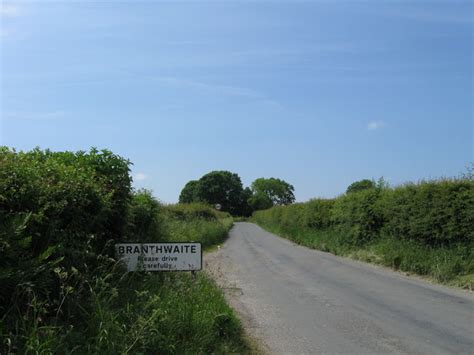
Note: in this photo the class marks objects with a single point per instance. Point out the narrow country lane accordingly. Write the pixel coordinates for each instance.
(302, 301)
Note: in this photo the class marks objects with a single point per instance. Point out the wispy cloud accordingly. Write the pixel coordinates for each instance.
(224, 89)
(218, 89)
(374, 125)
(140, 176)
(33, 116)
(9, 10)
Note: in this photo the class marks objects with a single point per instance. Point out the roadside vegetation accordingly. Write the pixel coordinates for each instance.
(425, 228)
(225, 189)
(61, 289)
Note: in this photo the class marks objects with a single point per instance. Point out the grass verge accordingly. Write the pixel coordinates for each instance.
(451, 265)
(146, 313)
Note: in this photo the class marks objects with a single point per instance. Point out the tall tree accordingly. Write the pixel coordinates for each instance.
(224, 188)
(278, 191)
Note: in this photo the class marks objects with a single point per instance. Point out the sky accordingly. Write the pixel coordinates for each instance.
(318, 93)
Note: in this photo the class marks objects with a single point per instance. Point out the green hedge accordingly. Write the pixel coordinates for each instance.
(433, 212)
(427, 228)
(61, 291)
(57, 210)
(70, 196)
(436, 212)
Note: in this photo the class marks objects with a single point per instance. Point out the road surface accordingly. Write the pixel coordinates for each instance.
(302, 301)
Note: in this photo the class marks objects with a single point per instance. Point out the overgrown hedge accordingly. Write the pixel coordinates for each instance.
(429, 216)
(62, 291)
(58, 213)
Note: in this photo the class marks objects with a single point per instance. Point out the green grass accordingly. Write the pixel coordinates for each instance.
(61, 290)
(208, 233)
(130, 313)
(170, 313)
(166, 313)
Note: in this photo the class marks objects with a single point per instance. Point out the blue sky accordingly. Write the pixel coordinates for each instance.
(319, 93)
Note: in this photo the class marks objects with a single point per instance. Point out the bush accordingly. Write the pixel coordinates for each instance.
(70, 196)
(62, 291)
(317, 213)
(145, 219)
(427, 228)
(59, 213)
(196, 223)
(359, 215)
(185, 211)
(360, 186)
(434, 212)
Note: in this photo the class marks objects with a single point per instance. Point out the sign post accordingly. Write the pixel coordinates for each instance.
(160, 256)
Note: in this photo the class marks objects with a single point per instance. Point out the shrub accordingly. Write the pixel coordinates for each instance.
(317, 213)
(62, 292)
(145, 218)
(427, 228)
(360, 186)
(358, 213)
(432, 212)
(59, 212)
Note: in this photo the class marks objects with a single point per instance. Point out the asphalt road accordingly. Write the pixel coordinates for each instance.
(299, 300)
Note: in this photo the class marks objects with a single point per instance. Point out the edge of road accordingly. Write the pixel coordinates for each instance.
(404, 275)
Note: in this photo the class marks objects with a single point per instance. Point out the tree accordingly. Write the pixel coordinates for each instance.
(222, 187)
(246, 208)
(259, 201)
(189, 192)
(360, 185)
(279, 192)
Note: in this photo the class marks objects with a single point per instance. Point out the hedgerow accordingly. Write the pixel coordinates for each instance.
(61, 289)
(427, 227)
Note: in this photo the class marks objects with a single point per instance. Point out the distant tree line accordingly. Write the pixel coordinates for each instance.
(226, 189)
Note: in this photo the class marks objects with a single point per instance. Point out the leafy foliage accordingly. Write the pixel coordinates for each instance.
(62, 291)
(189, 192)
(279, 192)
(426, 228)
(259, 201)
(145, 218)
(225, 188)
(217, 187)
(221, 187)
(360, 185)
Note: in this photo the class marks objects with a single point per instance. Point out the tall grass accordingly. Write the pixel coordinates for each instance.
(170, 313)
(197, 223)
(62, 291)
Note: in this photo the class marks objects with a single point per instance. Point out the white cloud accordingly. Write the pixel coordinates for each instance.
(374, 125)
(140, 176)
(9, 10)
(218, 89)
(223, 89)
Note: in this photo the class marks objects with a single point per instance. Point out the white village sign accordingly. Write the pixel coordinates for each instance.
(160, 256)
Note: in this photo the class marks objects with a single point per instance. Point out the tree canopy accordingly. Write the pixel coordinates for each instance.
(278, 191)
(217, 187)
(221, 187)
(189, 192)
(225, 188)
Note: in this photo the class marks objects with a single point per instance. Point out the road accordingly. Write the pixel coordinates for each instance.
(302, 301)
